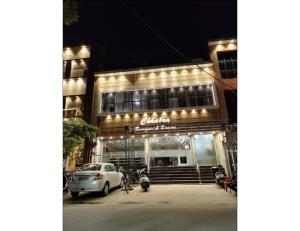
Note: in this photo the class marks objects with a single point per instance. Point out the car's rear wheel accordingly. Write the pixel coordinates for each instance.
(105, 189)
(75, 194)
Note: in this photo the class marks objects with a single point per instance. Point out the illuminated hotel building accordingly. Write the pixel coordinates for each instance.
(177, 114)
(78, 81)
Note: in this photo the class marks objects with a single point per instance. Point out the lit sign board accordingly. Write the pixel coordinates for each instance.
(154, 124)
(153, 120)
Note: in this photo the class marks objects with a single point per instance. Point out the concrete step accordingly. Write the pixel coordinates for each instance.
(174, 172)
(171, 174)
(175, 181)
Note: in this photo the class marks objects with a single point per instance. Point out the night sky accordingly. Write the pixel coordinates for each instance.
(125, 42)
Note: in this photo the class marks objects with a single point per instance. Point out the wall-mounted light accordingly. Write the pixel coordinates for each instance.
(110, 137)
(173, 73)
(126, 116)
(177, 134)
(184, 72)
(163, 74)
(121, 137)
(166, 134)
(195, 71)
(101, 138)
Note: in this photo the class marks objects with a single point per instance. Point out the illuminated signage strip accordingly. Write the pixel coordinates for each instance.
(154, 128)
(153, 120)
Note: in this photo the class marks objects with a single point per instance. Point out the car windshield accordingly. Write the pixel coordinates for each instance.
(90, 167)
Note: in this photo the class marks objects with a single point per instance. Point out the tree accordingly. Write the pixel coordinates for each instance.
(70, 13)
(75, 131)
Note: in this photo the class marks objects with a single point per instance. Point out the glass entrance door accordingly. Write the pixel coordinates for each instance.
(205, 150)
(164, 161)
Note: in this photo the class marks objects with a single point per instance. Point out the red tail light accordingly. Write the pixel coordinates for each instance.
(98, 176)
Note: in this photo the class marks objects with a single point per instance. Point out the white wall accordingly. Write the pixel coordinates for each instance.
(221, 155)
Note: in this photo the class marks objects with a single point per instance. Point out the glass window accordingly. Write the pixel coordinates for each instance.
(144, 100)
(183, 160)
(182, 97)
(114, 146)
(205, 149)
(119, 101)
(170, 143)
(113, 168)
(172, 98)
(90, 167)
(228, 64)
(162, 98)
(204, 95)
(144, 105)
(191, 96)
(107, 168)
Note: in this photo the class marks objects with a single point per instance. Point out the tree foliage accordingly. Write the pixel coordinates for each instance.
(70, 13)
(74, 132)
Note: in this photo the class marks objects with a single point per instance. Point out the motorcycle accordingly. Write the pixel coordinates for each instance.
(144, 180)
(218, 175)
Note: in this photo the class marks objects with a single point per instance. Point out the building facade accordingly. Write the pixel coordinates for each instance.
(77, 79)
(177, 115)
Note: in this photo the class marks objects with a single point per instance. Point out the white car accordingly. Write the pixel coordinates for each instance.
(94, 177)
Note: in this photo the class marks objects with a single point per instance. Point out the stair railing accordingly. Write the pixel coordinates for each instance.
(148, 166)
(198, 170)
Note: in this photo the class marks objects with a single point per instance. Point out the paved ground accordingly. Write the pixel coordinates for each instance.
(164, 207)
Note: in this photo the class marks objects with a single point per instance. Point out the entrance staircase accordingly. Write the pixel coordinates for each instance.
(181, 175)
(174, 175)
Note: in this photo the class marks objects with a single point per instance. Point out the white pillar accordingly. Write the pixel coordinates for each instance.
(193, 149)
(99, 151)
(147, 150)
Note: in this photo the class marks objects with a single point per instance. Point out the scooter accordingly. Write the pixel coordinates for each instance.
(144, 180)
(218, 175)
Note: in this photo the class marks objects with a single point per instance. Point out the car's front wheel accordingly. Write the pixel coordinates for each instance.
(74, 194)
(105, 189)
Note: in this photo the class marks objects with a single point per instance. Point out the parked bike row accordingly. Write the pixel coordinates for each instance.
(227, 182)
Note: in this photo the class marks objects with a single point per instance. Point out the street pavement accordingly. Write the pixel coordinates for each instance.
(163, 207)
